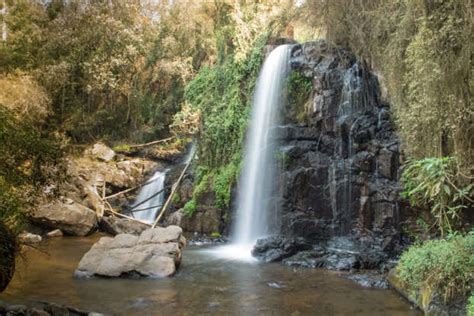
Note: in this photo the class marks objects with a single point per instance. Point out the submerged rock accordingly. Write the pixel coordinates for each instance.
(70, 217)
(29, 238)
(115, 226)
(43, 309)
(55, 233)
(155, 253)
(370, 280)
(277, 248)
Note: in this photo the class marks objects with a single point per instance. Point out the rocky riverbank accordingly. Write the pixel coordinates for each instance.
(76, 207)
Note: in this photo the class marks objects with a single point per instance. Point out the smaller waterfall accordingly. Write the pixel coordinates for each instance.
(148, 203)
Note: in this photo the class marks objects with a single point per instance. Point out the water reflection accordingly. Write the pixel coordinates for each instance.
(205, 284)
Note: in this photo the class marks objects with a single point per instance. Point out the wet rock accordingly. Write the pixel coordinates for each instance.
(341, 262)
(277, 248)
(387, 163)
(29, 238)
(72, 218)
(16, 309)
(155, 253)
(114, 226)
(101, 152)
(370, 281)
(55, 233)
(307, 259)
(205, 220)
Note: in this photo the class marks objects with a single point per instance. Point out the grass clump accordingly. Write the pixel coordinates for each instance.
(446, 266)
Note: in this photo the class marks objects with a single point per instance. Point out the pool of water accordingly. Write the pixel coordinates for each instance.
(205, 284)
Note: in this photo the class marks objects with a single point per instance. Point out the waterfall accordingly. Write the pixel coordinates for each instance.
(148, 202)
(257, 178)
(258, 182)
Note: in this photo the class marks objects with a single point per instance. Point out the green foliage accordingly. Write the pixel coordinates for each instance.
(216, 235)
(443, 265)
(432, 182)
(190, 207)
(223, 95)
(299, 90)
(470, 306)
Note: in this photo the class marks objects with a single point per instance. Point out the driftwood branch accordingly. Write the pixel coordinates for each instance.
(111, 210)
(175, 187)
(151, 143)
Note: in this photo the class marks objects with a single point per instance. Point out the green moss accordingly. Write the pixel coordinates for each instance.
(299, 90)
(190, 208)
(216, 235)
(176, 199)
(122, 148)
(444, 266)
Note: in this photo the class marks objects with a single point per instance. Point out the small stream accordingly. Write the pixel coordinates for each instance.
(204, 285)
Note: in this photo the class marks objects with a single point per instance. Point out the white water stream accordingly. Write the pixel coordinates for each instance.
(146, 211)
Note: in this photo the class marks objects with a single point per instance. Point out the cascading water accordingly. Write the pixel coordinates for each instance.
(148, 201)
(257, 181)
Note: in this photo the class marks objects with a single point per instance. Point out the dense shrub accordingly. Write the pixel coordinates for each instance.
(423, 52)
(223, 94)
(443, 265)
(433, 183)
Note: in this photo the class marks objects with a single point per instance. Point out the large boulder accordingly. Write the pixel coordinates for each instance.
(155, 253)
(70, 217)
(102, 152)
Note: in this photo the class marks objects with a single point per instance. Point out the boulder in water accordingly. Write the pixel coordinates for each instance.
(277, 248)
(71, 217)
(155, 253)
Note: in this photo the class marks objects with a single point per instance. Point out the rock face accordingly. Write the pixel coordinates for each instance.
(155, 253)
(70, 217)
(339, 166)
(115, 226)
(80, 205)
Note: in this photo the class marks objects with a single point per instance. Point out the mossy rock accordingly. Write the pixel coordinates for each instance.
(429, 300)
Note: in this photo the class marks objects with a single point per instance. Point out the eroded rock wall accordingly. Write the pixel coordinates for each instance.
(340, 164)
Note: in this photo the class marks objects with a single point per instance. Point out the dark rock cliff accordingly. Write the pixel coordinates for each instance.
(338, 184)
